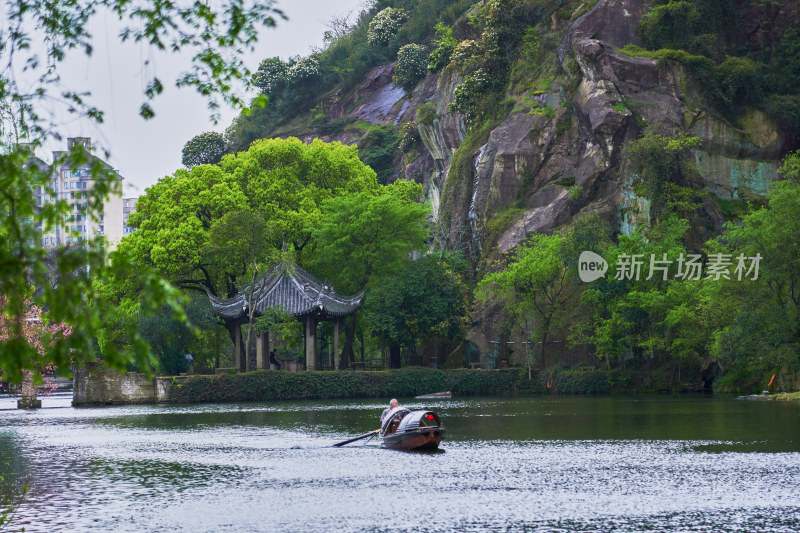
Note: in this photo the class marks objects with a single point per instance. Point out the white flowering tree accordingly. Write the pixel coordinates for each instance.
(304, 71)
(411, 66)
(383, 28)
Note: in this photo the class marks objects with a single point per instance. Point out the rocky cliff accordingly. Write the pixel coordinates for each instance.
(557, 151)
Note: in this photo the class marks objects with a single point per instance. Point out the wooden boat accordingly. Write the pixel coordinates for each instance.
(411, 430)
(435, 396)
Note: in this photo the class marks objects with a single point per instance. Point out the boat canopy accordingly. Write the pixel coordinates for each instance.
(402, 411)
(417, 419)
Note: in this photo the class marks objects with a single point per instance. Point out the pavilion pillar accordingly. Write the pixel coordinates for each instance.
(337, 324)
(311, 342)
(262, 351)
(240, 358)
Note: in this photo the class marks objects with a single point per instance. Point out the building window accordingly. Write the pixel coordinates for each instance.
(66, 185)
(65, 173)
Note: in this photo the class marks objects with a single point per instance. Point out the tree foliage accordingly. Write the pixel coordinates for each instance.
(534, 288)
(284, 182)
(270, 77)
(385, 25)
(658, 161)
(204, 149)
(758, 327)
(444, 45)
(411, 66)
(368, 235)
(171, 338)
(212, 36)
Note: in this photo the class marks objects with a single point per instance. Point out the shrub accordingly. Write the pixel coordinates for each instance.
(786, 110)
(469, 95)
(657, 159)
(383, 28)
(376, 149)
(670, 25)
(789, 61)
(411, 66)
(740, 80)
(271, 76)
(445, 44)
(409, 137)
(575, 192)
(426, 113)
(304, 71)
(466, 55)
(326, 125)
(268, 385)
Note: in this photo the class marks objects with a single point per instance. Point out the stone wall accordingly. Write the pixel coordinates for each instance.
(95, 384)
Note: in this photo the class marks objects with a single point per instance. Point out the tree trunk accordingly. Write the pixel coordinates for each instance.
(349, 337)
(394, 355)
(545, 329)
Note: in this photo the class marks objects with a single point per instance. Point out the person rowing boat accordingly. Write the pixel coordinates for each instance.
(393, 403)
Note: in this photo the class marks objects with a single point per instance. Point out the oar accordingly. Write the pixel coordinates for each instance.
(365, 435)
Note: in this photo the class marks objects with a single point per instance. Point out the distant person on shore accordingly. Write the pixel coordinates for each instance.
(392, 404)
(274, 361)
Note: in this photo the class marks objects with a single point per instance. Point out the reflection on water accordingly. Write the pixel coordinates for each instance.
(534, 464)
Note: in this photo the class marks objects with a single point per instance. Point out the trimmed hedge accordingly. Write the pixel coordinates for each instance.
(268, 385)
(264, 385)
(578, 380)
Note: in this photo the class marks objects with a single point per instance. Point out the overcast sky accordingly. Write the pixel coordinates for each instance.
(144, 151)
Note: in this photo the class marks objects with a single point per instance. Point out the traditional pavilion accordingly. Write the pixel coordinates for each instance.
(297, 292)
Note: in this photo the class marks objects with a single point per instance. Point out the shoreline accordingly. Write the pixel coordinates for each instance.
(776, 396)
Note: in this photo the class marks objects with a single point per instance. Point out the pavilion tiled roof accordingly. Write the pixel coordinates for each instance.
(292, 288)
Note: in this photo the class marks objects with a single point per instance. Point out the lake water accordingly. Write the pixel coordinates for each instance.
(554, 464)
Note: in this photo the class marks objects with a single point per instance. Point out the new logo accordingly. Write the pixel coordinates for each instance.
(591, 267)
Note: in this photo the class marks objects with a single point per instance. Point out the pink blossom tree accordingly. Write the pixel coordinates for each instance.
(32, 328)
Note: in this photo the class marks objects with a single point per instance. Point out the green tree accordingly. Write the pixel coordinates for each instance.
(536, 284)
(757, 322)
(426, 300)
(204, 149)
(444, 44)
(213, 36)
(171, 338)
(385, 25)
(174, 218)
(411, 66)
(658, 160)
(670, 25)
(629, 311)
(532, 289)
(284, 181)
(366, 236)
(240, 240)
(271, 76)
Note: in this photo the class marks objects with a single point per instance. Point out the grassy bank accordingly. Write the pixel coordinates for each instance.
(786, 396)
(268, 385)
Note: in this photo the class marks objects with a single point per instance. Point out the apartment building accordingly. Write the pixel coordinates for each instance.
(71, 183)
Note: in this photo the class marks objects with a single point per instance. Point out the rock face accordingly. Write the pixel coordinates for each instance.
(566, 159)
(533, 160)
